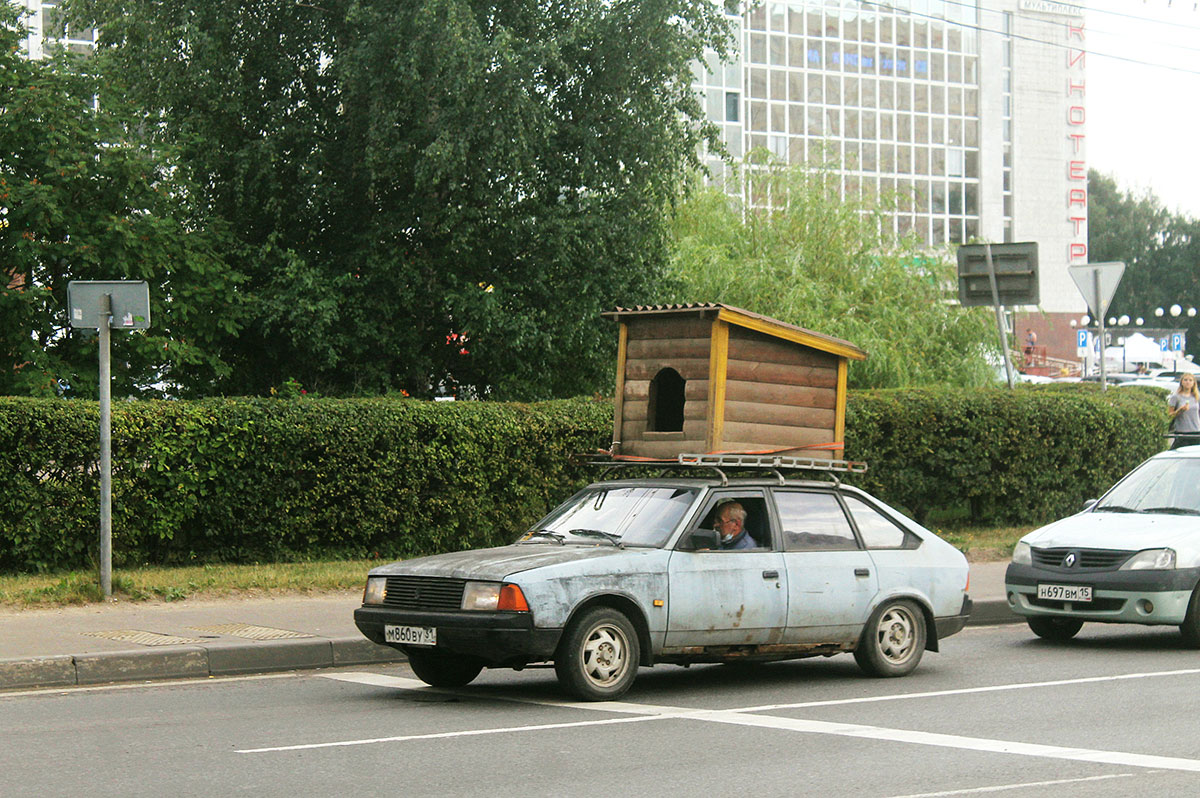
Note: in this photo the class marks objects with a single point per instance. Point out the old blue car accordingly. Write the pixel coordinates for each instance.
(637, 572)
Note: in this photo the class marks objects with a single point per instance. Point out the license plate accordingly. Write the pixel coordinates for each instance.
(1065, 592)
(411, 635)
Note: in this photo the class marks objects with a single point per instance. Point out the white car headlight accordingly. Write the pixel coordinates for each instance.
(1151, 560)
(1022, 554)
(376, 589)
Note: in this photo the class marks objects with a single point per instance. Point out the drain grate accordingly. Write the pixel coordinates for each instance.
(144, 638)
(250, 632)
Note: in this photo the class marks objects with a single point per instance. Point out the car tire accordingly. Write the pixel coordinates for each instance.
(1190, 628)
(1054, 628)
(438, 669)
(893, 641)
(598, 657)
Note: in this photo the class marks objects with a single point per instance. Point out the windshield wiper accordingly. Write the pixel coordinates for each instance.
(545, 533)
(1172, 510)
(599, 533)
(1115, 508)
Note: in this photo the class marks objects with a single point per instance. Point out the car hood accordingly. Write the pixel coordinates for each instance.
(1128, 531)
(499, 562)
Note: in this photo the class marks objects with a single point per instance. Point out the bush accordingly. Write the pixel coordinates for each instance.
(1001, 456)
(245, 480)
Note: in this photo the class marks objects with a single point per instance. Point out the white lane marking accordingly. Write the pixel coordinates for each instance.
(955, 741)
(67, 689)
(970, 690)
(1005, 787)
(443, 735)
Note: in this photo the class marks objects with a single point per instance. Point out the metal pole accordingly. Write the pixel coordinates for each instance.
(1100, 311)
(999, 316)
(105, 447)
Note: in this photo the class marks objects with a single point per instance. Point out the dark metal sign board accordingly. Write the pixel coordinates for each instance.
(1016, 268)
(129, 301)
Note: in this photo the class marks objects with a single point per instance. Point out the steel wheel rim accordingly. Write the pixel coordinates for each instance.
(605, 655)
(897, 635)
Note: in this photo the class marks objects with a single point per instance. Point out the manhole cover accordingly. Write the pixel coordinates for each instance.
(250, 632)
(144, 638)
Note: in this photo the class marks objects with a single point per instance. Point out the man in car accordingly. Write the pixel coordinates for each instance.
(731, 526)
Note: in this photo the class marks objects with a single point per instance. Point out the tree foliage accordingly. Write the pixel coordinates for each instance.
(1160, 251)
(807, 256)
(83, 198)
(436, 193)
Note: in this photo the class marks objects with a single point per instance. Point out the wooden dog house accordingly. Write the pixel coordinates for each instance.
(706, 377)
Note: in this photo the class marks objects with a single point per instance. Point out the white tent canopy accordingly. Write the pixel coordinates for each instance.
(1136, 349)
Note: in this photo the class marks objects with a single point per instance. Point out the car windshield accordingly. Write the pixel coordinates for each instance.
(1170, 485)
(617, 515)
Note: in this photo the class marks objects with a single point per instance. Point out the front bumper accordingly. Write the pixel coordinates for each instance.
(497, 638)
(1145, 597)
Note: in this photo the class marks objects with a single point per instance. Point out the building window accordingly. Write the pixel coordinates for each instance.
(733, 104)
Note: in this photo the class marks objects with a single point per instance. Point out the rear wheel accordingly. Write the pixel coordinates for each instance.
(443, 670)
(894, 640)
(1055, 628)
(598, 657)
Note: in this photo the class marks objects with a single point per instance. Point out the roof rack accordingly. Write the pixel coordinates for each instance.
(731, 460)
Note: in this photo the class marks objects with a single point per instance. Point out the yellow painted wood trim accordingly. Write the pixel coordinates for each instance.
(619, 399)
(718, 362)
(795, 336)
(839, 414)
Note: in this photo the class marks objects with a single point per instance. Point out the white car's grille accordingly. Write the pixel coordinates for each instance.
(1093, 559)
(430, 593)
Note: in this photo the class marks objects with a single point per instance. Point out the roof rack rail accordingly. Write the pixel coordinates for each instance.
(716, 462)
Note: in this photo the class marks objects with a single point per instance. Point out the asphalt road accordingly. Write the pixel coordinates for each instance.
(1113, 713)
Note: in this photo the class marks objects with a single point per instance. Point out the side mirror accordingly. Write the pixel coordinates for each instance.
(701, 539)
(1089, 504)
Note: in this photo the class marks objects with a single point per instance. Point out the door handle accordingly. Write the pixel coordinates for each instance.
(770, 574)
(862, 571)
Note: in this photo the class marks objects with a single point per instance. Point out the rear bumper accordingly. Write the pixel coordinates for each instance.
(497, 638)
(953, 624)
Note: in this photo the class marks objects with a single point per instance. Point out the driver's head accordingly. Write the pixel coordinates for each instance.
(731, 518)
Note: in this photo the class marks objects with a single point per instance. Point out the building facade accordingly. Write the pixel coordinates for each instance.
(44, 27)
(972, 115)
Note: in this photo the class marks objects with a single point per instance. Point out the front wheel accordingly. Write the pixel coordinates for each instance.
(894, 640)
(1054, 628)
(443, 670)
(598, 657)
(1190, 628)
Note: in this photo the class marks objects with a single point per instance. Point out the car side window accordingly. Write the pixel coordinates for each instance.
(757, 523)
(877, 530)
(813, 522)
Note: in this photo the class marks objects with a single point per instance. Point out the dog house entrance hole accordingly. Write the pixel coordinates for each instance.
(666, 402)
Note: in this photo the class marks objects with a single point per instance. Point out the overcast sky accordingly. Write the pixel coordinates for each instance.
(1143, 118)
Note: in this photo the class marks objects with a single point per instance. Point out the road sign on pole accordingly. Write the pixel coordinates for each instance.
(105, 305)
(1099, 293)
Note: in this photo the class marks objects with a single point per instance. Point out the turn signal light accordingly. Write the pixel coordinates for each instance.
(512, 599)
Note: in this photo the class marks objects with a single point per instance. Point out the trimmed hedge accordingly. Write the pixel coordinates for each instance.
(245, 480)
(1002, 456)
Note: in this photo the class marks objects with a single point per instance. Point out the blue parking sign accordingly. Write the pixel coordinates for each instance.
(1081, 339)
(1176, 342)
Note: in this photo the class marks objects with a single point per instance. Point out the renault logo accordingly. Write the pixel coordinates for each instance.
(1069, 560)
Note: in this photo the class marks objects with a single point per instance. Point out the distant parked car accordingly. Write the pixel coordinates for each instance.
(1131, 557)
(632, 572)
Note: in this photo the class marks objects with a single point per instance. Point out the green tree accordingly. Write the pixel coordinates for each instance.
(81, 198)
(805, 255)
(430, 193)
(1160, 250)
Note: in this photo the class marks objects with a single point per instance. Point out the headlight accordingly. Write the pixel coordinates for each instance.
(1022, 554)
(1151, 560)
(493, 596)
(376, 589)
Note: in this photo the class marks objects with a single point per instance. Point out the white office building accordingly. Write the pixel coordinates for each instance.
(973, 111)
(42, 22)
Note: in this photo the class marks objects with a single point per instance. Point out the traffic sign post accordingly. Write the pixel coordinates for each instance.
(998, 275)
(96, 304)
(1097, 282)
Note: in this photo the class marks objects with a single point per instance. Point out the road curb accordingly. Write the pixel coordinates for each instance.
(992, 611)
(180, 662)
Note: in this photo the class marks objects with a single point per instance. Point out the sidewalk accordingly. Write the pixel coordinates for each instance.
(133, 642)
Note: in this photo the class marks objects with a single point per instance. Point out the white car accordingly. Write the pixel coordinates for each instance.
(1131, 557)
(631, 572)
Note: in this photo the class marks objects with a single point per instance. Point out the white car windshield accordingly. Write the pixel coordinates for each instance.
(621, 515)
(1169, 485)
